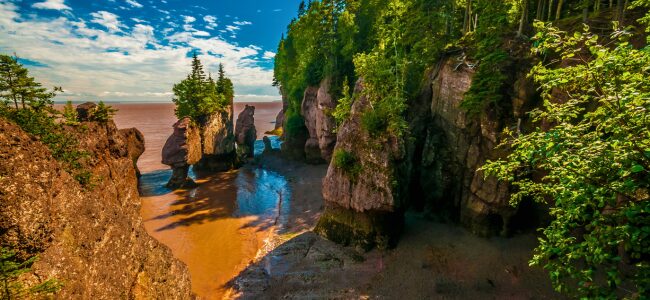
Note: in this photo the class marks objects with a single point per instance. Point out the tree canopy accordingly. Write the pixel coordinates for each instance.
(199, 95)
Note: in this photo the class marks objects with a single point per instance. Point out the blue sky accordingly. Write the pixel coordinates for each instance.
(135, 50)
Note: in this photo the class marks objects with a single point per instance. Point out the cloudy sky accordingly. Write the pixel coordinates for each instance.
(135, 50)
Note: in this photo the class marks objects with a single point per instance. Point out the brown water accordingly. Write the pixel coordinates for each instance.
(217, 228)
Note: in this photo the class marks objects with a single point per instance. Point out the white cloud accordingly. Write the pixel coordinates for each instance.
(268, 55)
(52, 4)
(277, 10)
(134, 3)
(125, 63)
(138, 20)
(242, 23)
(109, 20)
(211, 20)
(232, 28)
(189, 19)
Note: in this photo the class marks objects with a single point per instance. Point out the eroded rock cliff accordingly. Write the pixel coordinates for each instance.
(372, 180)
(218, 142)
(89, 238)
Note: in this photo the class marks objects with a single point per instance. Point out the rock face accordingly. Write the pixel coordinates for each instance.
(317, 106)
(457, 145)
(310, 113)
(135, 145)
(182, 149)
(218, 142)
(245, 133)
(363, 191)
(91, 239)
(371, 181)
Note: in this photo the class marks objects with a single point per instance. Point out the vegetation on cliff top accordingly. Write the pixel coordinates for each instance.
(198, 96)
(25, 102)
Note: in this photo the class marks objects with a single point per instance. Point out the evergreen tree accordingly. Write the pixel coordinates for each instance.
(17, 87)
(197, 96)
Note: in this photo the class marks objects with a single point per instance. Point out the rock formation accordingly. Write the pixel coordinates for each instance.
(364, 201)
(371, 181)
(245, 133)
(135, 145)
(316, 109)
(218, 142)
(85, 111)
(89, 238)
(182, 149)
(457, 145)
(267, 144)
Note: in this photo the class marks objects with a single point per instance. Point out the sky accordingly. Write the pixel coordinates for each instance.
(135, 50)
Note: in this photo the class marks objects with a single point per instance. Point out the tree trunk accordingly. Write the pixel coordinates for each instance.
(619, 12)
(558, 14)
(467, 15)
(550, 10)
(585, 10)
(539, 13)
(524, 17)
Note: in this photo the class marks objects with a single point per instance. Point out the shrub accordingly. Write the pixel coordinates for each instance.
(11, 267)
(347, 162)
(375, 122)
(103, 113)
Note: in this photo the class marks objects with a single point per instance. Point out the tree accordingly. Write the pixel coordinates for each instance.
(592, 164)
(18, 87)
(70, 114)
(197, 96)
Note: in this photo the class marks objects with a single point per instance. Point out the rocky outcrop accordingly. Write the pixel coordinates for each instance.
(85, 111)
(457, 145)
(325, 124)
(268, 147)
(90, 238)
(316, 109)
(182, 149)
(135, 145)
(372, 180)
(218, 142)
(245, 133)
(363, 192)
(310, 113)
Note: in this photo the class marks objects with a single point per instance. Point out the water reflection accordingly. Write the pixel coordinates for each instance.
(275, 144)
(153, 183)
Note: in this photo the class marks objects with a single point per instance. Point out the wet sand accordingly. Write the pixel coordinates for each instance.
(218, 228)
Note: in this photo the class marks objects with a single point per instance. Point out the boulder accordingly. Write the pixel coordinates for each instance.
(85, 111)
(218, 142)
(267, 144)
(245, 133)
(182, 149)
(135, 145)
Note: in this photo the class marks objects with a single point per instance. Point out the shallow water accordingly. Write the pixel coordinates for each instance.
(217, 228)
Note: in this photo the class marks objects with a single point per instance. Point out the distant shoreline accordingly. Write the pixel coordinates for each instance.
(147, 102)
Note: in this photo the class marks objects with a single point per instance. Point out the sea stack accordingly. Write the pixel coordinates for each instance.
(182, 149)
(245, 133)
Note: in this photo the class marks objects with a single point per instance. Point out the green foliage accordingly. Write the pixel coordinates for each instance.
(594, 164)
(294, 124)
(486, 45)
(11, 267)
(198, 96)
(36, 116)
(347, 162)
(70, 115)
(342, 110)
(103, 113)
(19, 89)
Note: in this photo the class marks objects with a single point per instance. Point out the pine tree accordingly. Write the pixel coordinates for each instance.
(18, 87)
(301, 8)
